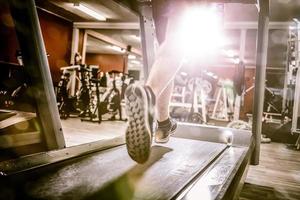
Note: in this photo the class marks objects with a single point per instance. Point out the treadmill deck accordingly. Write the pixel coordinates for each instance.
(111, 174)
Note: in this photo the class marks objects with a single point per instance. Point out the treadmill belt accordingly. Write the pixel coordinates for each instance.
(111, 174)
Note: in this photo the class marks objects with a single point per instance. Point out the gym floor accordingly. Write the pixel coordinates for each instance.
(77, 132)
(277, 177)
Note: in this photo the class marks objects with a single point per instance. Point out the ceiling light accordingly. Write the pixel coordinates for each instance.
(210, 74)
(183, 73)
(230, 53)
(235, 60)
(135, 37)
(292, 28)
(131, 57)
(90, 12)
(119, 49)
(136, 62)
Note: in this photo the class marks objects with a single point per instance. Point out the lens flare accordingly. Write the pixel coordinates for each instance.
(200, 31)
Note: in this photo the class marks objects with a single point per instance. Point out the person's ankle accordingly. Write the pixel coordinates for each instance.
(164, 123)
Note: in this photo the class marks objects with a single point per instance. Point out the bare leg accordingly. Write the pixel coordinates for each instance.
(167, 63)
(140, 111)
(163, 103)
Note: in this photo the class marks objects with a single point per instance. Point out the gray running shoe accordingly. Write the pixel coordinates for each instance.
(140, 102)
(163, 133)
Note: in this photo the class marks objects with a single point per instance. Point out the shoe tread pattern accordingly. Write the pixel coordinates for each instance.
(138, 138)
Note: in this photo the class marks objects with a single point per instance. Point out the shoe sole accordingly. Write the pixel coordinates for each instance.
(138, 132)
(161, 141)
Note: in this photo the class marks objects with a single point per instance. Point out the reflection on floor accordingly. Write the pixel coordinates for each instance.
(77, 132)
(277, 177)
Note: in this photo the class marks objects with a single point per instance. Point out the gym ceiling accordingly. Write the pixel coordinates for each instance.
(240, 15)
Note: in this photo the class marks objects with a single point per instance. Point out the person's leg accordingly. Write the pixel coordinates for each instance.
(165, 125)
(140, 99)
(166, 15)
(162, 103)
(167, 62)
(161, 9)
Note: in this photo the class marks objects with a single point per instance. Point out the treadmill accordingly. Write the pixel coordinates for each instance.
(199, 162)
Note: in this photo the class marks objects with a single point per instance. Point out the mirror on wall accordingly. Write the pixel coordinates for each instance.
(110, 61)
(89, 74)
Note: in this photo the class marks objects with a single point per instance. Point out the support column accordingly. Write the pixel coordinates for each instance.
(75, 44)
(260, 75)
(147, 36)
(84, 43)
(243, 44)
(74, 49)
(36, 65)
(237, 103)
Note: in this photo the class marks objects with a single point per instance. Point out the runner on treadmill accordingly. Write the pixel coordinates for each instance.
(143, 101)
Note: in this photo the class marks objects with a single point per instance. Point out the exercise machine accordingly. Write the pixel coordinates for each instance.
(291, 91)
(62, 96)
(189, 99)
(224, 101)
(201, 159)
(110, 101)
(107, 97)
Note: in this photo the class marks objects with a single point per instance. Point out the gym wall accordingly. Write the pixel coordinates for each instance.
(57, 35)
(107, 62)
(8, 37)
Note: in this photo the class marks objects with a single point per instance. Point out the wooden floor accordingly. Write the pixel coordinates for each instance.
(276, 177)
(77, 132)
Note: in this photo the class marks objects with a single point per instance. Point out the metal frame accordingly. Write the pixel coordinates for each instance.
(104, 38)
(147, 36)
(296, 103)
(221, 101)
(254, 25)
(33, 161)
(74, 50)
(147, 21)
(36, 65)
(73, 77)
(83, 53)
(260, 75)
(296, 107)
(261, 59)
(136, 26)
(110, 40)
(35, 61)
(75, 44)
(106, 25)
